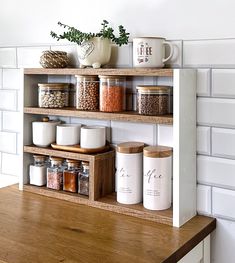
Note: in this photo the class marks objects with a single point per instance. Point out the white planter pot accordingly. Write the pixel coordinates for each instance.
(94, 52)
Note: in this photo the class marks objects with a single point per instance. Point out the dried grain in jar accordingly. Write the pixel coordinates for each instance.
(153, 100)
(87, 92)
(112, 93)
(53, 95)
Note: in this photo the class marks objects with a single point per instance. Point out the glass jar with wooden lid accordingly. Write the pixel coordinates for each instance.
(153, 100)
(87, 92)
(112, 93)
(129, 172)
(53, 95)
(157, 177)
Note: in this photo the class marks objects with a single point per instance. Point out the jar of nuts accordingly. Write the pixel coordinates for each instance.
(153, 100)
(87, 93)
(112, 93)
(53, 95)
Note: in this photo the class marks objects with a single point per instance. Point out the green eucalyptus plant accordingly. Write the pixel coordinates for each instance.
(74, 35)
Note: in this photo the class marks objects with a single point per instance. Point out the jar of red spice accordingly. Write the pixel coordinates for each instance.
(112, 93)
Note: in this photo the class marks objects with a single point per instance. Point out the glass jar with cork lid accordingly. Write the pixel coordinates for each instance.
(153, 100)
(112, 93)
(70, 176)
(55, 174)
(38, 171)
(83, 182)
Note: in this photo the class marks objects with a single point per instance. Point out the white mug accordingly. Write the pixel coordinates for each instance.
(149, 52)
(93, 137)
(68, 134)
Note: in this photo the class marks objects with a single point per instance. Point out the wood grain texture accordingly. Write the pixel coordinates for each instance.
(130, 116)
(39, 229)
(102, 71)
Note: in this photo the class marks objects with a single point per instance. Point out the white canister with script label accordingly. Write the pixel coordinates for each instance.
(129, 172)
(157, 177)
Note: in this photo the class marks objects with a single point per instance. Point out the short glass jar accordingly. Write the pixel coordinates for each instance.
(112, 93)
(38, 171)
(87, 92)
(153, 100)
(53, 95)
(70, 176)
(83, 182)
(55, 174)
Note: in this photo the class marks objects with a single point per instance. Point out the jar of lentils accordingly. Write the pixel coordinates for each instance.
(153, 100)
(112, 93)
(53, 95)
(87, 93)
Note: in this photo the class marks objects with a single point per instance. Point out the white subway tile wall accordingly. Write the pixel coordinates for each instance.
(215, 110)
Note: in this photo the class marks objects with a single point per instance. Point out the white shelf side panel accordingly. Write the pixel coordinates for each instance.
(184, 137)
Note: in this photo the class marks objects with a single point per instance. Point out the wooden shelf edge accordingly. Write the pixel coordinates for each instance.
(129, 116)
(65, 154)
(161, 72)
(156, 216)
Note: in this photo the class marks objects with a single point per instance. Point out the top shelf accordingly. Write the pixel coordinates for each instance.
(101, 71)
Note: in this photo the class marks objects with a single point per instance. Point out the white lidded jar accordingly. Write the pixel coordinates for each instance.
(38, 171)
(129, 173)
(157, 177)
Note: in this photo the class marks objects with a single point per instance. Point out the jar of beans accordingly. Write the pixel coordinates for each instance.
(112, 93)
(53, 95)
(87, 95)
(153, 100)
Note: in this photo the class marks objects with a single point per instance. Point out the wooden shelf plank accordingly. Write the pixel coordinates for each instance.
(129, 116)
(64, 154)
(107, 203)
(165, 72)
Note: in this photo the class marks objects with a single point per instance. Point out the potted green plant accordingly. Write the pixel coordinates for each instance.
(94, 49)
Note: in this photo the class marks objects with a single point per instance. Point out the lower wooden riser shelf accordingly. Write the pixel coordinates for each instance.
(107, 203)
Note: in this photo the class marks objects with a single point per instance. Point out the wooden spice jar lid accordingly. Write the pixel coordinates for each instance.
(130, 147)
(158, 151)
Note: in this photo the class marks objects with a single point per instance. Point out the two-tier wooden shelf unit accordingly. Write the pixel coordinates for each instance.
(101, 185)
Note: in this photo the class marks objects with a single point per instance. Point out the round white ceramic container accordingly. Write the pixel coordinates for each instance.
(68, 134)
(44, 132)
(93, 137)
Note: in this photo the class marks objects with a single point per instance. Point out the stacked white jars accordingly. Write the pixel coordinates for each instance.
(129, 174)
(157, 177)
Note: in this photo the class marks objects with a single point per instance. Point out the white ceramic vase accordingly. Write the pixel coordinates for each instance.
(95, 52)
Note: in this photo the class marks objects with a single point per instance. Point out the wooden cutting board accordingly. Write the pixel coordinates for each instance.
(78, 149)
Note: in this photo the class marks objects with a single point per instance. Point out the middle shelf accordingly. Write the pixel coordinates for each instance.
(130, 116)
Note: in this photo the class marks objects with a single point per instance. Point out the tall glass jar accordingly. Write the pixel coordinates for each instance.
(70, 176)
(38, 171)
(87, 92)
(112, 93)
(55, 174)
(83, 182)
(53, 95)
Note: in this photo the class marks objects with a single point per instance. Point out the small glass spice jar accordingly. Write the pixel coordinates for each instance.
(157, 177)
(38, 171)
(83, 182)
(153, 100)
(70, 176)
(55, 174)
(87, 92)
(129, 173)
(53, 95)
(112, 93)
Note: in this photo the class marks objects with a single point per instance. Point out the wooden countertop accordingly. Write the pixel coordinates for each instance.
(35, 228)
